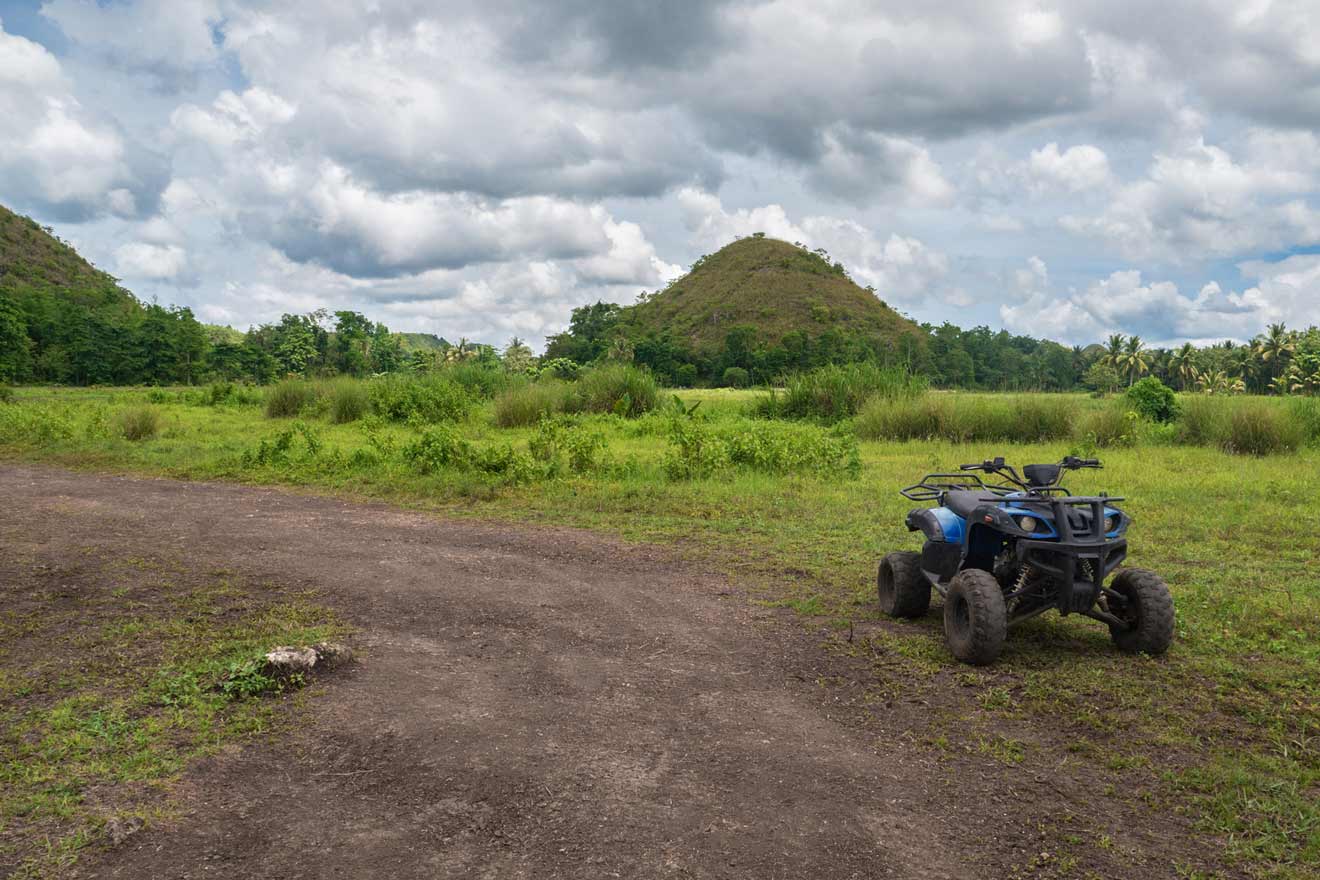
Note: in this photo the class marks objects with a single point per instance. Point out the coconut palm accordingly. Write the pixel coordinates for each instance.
(1134, 360)
(1113, 353)
(1182, 364)
(1275, 346)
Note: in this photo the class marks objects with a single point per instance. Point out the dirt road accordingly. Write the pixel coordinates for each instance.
(544, 703)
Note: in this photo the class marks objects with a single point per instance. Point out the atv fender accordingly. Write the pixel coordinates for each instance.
(941, 556)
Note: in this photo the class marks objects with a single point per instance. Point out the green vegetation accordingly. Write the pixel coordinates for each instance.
(1225, 728)
(139, 423)
(103, 702)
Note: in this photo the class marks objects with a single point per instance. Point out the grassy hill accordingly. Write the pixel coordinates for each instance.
(770, 285)
(422, 342)
(33, 259)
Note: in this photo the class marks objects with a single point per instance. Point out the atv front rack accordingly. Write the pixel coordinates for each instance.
(1079, 559)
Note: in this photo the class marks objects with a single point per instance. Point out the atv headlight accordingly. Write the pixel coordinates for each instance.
(1111, 523)
(1027, 524)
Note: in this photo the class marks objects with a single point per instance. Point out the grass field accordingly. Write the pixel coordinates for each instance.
(1226, 728)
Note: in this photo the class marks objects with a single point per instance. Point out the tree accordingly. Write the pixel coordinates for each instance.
(1182, 365)
(1134, 361)
(15, 347)
(517, 356)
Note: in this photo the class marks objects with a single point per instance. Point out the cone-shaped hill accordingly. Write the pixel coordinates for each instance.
(770, 285)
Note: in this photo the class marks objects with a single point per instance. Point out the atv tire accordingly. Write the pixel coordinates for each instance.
(975, 620)
(902, 588)
(1148, 611)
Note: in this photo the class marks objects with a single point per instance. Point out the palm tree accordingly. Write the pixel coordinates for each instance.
(1113, 354)
(1134, 359)
(1182, 364)
(1276, 345)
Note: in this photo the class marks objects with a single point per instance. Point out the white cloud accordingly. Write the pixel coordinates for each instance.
(1077, 168)
(153, 261)
(53, 152)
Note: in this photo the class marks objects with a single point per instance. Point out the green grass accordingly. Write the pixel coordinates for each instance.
(1225, 729)
(105, 701)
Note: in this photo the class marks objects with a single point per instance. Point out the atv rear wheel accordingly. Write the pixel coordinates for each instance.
(975, 620)
(1147, 610)
(902, 588)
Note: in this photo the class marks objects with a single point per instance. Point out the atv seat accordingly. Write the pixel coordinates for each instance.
(962, 502)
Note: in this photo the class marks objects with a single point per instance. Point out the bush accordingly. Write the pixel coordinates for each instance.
(622, 389)
(218, 393)
(6, 394)
(349, 401)
(561, 368)
(427, 399)
(139, 423)
(685, 376)
(1258, 428)
(289, 398)
(736, 377)
(527, 405)
(561, 443)
(1153, 399)
(832, 393)
(440, 448)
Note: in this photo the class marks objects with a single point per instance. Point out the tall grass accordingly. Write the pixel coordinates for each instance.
(349, 401)
(530, 403)
(1257, 428)
(835, 392)
(138, 423)
(480, 381)
(622, 389)
(1025, 418)
(289, 398)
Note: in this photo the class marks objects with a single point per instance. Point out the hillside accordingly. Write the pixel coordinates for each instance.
(32, 259)
(422, 342)
(772, 286)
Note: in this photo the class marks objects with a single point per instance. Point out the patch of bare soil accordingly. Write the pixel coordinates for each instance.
(550, 703)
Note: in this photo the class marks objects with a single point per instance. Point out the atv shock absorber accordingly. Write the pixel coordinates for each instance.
(1024, 576)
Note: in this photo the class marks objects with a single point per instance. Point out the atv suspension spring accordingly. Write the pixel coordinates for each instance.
(1024, 575)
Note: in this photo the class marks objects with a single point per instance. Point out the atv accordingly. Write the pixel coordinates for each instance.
(1004, 551)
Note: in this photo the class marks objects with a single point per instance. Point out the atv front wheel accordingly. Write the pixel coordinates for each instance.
(1147, 610)
(975, 620)
(903, 589)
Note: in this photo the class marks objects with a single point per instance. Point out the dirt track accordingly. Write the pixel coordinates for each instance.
(542, 703)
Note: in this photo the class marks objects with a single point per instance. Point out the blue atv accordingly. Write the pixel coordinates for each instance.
(1003, 551)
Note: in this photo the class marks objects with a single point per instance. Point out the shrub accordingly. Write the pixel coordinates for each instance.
(139, 423)
(561, 443)
(349, 401)
(1258, 428)
(288, 398)
(622, 389)
(561, 368)
(439, 448)
(736, 377)
(685, 376)
(6, 394)
(426, 399)
(527, 405)
(1153, 399)
(832, 393)
(218, 393)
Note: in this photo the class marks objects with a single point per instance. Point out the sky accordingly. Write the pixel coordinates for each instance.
(478, 168)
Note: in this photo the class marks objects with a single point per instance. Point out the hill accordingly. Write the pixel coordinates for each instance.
(32, 259)
(772, 286)
(423, 342)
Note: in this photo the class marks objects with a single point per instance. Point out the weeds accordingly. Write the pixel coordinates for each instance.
(139, 423)
(289, 398)
(699, 450)
(530, 403)
(832, 393)
(424, 399)
(349, 401)
(621, 389)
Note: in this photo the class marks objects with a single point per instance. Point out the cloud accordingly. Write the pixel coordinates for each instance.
(154, 261)
(1077, 168)
(1125, 302)
(56, 156)
(169, 39)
